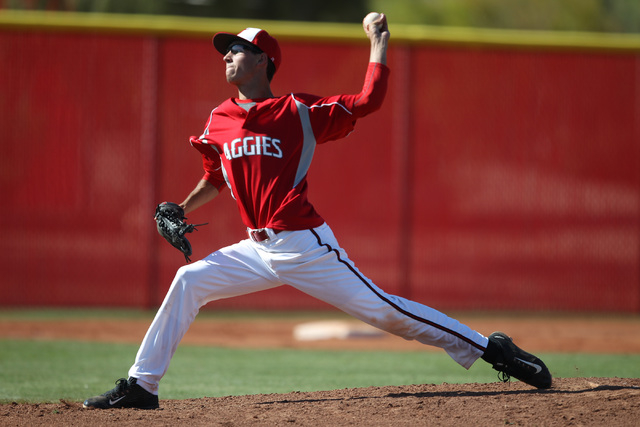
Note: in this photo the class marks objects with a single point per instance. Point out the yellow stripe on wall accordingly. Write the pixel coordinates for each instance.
(163, 25)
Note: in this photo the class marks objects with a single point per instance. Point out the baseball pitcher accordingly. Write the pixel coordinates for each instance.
(259, 146)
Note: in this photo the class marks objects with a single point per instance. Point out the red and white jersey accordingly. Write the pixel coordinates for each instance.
(263, 154)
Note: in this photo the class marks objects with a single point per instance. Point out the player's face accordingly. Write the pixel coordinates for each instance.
(241, 64)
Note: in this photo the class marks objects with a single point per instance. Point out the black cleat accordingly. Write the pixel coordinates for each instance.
(511, 361)
(126, 394)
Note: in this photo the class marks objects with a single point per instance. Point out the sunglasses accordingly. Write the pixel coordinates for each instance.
(242, 48)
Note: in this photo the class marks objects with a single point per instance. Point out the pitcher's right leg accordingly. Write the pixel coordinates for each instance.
(325, 272)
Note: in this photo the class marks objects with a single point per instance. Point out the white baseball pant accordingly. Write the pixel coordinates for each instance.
(311, 261)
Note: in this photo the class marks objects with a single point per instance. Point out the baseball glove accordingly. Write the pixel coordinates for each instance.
(170, 221)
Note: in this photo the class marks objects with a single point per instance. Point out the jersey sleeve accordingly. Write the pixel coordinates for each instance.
(373, 91)
(334, 117)
(210, 162)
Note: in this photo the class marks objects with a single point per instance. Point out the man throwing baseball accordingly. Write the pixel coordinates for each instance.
(260, 146)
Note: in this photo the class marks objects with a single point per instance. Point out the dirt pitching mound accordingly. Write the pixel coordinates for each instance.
(575, 401)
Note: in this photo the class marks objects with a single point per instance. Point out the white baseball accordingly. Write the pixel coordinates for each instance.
(373, 16)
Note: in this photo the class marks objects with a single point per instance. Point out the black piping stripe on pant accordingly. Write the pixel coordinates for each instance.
(405, 312)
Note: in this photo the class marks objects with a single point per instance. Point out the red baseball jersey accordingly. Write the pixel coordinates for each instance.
(263, 154)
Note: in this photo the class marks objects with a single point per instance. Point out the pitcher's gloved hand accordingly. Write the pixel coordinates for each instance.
(170, 221)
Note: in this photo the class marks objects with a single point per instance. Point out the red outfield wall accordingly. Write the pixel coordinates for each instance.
(494, 177)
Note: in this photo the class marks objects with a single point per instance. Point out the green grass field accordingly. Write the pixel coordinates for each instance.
(47, 371)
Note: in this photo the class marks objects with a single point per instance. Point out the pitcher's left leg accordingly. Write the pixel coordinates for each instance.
(231, 271)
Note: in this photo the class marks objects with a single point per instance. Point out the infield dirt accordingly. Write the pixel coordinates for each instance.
(571, 401)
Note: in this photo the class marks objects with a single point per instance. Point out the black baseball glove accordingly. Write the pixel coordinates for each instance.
(170, 221)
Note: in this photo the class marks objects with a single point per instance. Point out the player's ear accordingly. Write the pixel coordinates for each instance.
(264, 59)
